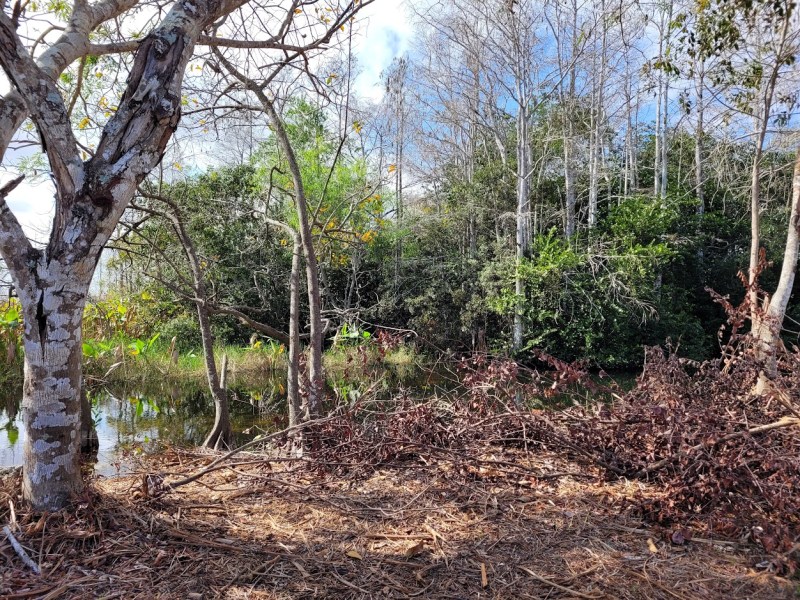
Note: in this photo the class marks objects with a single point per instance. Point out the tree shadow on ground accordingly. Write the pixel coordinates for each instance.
(423, 531)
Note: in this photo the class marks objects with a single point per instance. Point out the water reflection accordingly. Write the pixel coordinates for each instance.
(130, 421)
(133, 421)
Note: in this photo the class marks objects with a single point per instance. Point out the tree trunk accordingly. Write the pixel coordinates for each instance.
(293, 371)
(221, 434)
(664, 148)
(755, 183)
(569, 187)
(698, 141)
(657, 159)
(767, 333)
(523, 218)
(51, 400)
(89, 442)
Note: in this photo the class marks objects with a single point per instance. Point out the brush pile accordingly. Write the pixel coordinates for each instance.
(719, 458)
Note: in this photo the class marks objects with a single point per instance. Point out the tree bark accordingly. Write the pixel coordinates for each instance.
(293, 370)
(51, 400)
(767, 333)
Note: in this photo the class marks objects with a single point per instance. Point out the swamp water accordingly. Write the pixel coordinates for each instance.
(133, 421)
(130, 422)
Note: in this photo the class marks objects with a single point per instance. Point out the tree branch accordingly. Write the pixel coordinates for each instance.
(15, 247)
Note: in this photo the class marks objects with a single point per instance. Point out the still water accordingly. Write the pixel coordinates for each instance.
(131, 422)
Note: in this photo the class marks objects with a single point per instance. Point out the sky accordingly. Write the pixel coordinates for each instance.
(385, 33)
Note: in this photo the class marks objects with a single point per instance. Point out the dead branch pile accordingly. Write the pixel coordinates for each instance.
(720, 455)
(723, 460)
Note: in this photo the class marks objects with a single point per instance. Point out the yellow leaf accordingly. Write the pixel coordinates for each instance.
(177, 166)
(357, 126)
(298, 11)
(84, 123)
(392, 168)
(354, 554)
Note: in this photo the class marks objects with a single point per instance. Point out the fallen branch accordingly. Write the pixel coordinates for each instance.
(784, 422)
(21, 551)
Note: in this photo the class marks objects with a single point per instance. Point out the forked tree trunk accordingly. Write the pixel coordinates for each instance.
(315, 376)
(221, 434)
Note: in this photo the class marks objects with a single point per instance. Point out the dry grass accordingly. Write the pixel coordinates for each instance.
(279, 529)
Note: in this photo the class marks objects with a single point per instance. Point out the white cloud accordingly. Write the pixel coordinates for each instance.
(387, 33)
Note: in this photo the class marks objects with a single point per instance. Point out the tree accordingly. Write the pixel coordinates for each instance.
(767, 329)
(92, 194)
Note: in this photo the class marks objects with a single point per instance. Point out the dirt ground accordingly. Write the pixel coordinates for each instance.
(282, 529)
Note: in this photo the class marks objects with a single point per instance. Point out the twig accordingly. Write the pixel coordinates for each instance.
(699, 540)
(348, 584)
(559, 587)
(21, 551)
(784, 422)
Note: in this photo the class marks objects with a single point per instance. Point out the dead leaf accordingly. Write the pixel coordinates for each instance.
(484, 577)
(651, 544)
(678, 538)
(354, 554)
(415, 549)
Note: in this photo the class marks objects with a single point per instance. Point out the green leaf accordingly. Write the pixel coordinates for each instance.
(13, 434)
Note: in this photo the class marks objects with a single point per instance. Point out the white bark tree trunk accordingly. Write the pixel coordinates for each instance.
(698, 139)
(767, 333)
(523, 220)
(51, 401)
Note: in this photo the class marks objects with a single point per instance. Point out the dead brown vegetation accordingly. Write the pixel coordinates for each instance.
(442, 530)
